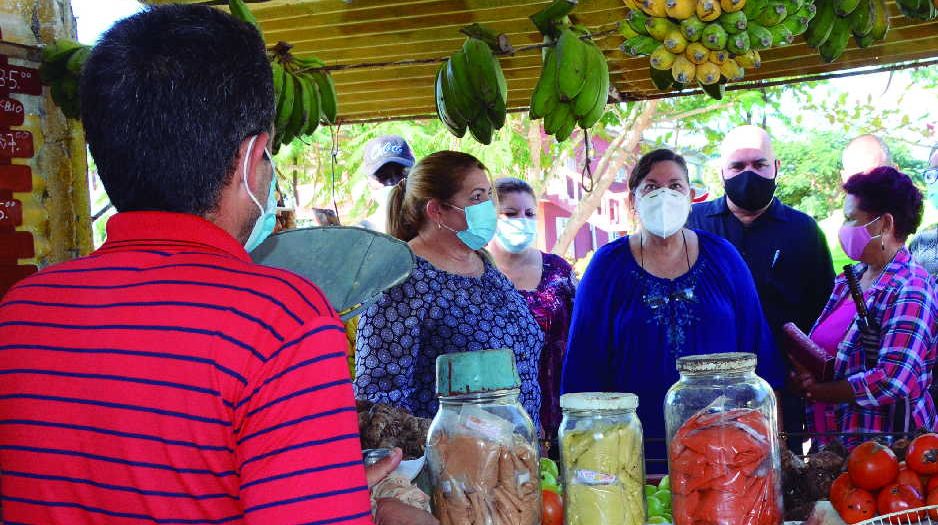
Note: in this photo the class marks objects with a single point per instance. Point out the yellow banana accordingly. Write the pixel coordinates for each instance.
(697, 53)
(708, 10)
(752, 59)
(662, 58)
(683, 70)
(732, 6)
(681, 9)
(708, 73)
(732, 70)
(656, 8)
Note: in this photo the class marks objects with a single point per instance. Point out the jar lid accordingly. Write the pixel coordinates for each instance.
(599, 401)
(726, 363)
(476, 372)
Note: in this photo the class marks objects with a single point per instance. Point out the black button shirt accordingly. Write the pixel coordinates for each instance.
(786, 253)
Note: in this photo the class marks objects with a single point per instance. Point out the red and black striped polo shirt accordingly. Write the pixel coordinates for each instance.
(167, 379)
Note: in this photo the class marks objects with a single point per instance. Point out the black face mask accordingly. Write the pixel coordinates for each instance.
(750, 191)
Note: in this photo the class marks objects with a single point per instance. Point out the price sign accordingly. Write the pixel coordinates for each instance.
(16, 144)
(16, 79)
(16, 245)
(10, 275)
(11, 112)
(11, 213)
(15, 178)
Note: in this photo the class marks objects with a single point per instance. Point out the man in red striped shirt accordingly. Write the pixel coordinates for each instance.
(166, 378)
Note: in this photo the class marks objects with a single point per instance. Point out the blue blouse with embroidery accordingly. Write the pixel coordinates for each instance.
(435, 312)
(629, 327)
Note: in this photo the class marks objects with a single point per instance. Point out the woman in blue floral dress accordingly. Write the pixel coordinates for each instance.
(455, 300)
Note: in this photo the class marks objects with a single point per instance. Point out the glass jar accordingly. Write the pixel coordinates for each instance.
(601, 452)
(482, 446)
(723, 447)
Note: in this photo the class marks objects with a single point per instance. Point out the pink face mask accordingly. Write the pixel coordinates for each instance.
(853, 239)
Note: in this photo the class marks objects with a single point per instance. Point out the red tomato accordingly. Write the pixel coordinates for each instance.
(909, 477)
(922, 455)
(551, 508)
(932, 500)
(896, 498)
(839, 489)
(857, 505)
(932, 484)
(872, 466)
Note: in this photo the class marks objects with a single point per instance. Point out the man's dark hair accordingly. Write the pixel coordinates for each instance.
(886, 190)
(648, 161)
(508, 185)
(167, 97)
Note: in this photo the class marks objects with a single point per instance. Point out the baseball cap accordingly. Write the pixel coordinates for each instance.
(381, 150)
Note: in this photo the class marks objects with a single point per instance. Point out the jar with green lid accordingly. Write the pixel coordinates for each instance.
(602, 455)
(723, 449)
(482, 445)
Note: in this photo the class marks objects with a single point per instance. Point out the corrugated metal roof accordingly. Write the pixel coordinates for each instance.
(357, 32)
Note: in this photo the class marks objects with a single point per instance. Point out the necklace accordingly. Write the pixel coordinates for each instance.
(641, 250)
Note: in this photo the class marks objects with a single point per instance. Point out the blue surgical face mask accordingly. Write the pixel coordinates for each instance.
(265, 224)
(481, 220)
(516, 235)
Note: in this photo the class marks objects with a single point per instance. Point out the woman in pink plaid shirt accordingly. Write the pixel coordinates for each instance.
(882, 373)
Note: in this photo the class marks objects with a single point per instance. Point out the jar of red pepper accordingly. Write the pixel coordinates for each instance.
(723, 449)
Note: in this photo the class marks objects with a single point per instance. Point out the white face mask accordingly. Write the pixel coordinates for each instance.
(663, 212)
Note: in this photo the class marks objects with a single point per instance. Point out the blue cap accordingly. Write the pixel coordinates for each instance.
(381, 150)
(476, 372)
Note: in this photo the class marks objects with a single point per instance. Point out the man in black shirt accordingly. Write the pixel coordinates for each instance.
(784, 248)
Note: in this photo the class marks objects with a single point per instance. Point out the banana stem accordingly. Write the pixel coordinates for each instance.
(498, 42)
(545, 19)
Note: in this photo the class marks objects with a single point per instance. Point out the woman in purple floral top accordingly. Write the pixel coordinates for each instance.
(545, 280)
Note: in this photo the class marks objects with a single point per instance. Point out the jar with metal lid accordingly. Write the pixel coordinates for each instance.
(601, 451)
(723, 449)
(482, 446)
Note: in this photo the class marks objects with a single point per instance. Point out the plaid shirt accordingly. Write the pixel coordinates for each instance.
(903, 302)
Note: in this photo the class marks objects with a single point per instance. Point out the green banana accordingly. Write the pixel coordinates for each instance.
(556, 118)
(836, 43)
(692, 29)
(781, 35)
(240, 11)
(819, 29)
(298, 117)
(861, 21)
(545, 99)
(55, 58)
(498, 113)
(481, 129)
(754, 8)
(844, 8)
(636, 20)
(285, 106)
(640, 45)
(715, 91)
(660, 28)
(599, 69)
(328, 98)
(454, 122)
(482, 64)
(571, 64)
(625, 30)
(314, 104)
(734, 23)
(773, 14)
(662, 79)
(738, 44)
(460, 85)
(566, 129)
(760, 37)
(714, 36)
(278, 73)
(865, 41)
(796, 24)
(880, 17)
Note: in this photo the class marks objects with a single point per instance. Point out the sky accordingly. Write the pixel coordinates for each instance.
(96, 16)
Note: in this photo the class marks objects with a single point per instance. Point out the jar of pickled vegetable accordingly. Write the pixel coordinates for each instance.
(723, 449)
(601, 452)
(482, 446)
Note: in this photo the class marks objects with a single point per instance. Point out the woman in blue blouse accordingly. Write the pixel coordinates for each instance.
(455, 300)
(659, 294)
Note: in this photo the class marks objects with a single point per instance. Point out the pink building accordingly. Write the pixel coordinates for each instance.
(564, 193)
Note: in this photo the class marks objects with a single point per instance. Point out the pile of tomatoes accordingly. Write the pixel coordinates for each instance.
(876, 483)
